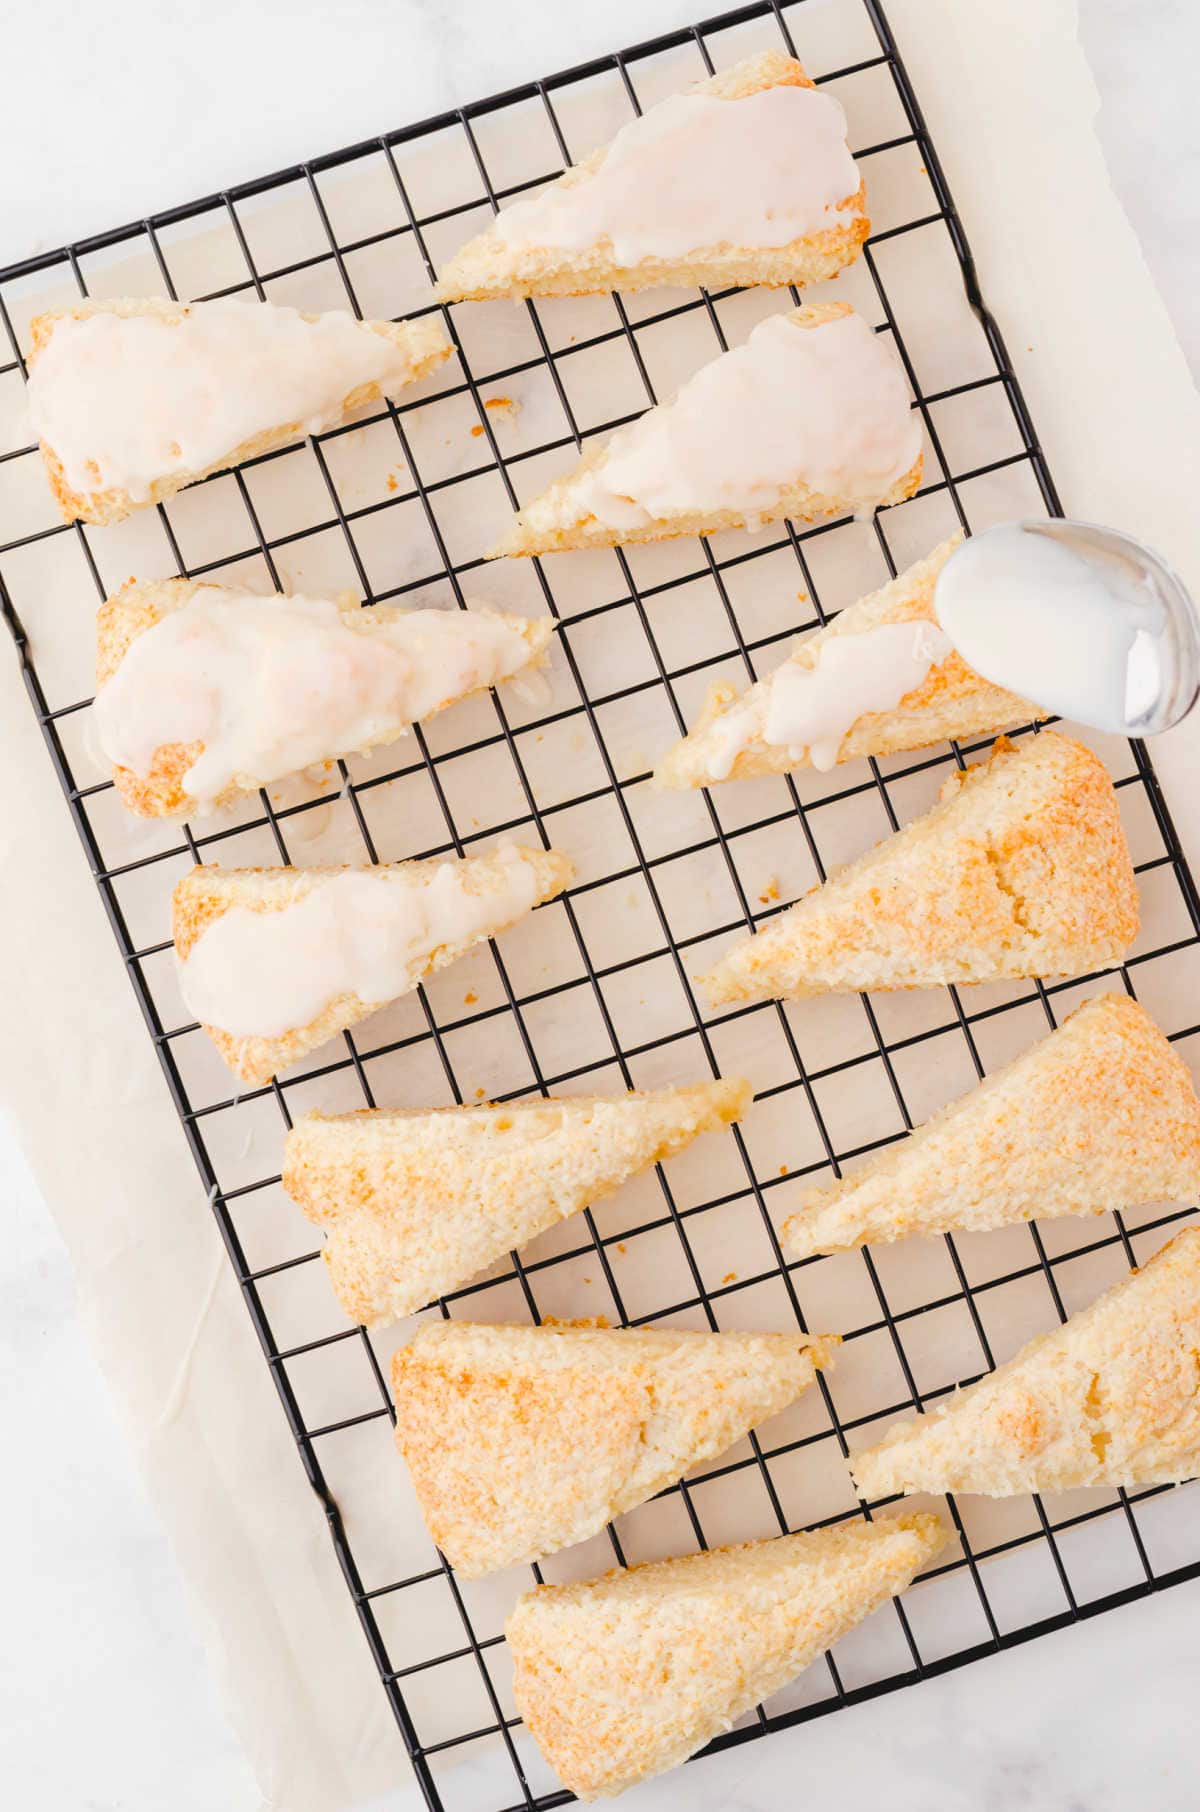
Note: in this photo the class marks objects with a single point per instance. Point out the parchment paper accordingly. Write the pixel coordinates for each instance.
(1011, 104)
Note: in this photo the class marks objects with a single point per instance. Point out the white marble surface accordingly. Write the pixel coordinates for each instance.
(108, 1703)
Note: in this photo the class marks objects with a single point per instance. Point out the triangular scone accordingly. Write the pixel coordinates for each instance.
(810, 417)
(623, 1677)
(1022, 869)
(209, 692)
(1100, 1115)
(522, 1440)
(415, 1203)
(275, 961)
(714, 186)
(887, 646)
(133, 399)
(1110, 1398)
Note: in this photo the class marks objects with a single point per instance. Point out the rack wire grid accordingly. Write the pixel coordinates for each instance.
(595, 991)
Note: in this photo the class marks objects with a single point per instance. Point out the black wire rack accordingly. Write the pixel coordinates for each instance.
(904, 1331)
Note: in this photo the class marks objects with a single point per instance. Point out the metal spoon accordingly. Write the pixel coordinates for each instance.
(1097, 620)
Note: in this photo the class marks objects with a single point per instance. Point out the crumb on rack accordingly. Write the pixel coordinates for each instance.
(480, 1093)
(393, 483)
(730, 1277)
(802, 597)
(770, 892)
(783, 1170)
(470, 997)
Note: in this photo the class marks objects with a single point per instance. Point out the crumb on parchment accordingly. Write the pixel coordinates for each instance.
(504, 408)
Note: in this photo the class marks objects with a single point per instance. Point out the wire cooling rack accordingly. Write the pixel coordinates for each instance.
(595, 992)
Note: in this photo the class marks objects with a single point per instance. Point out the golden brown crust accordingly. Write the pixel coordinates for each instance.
(424, 340)
(1100, 1115)
(415, 1203)
(1111, 1398)
(138, 606)
(487, 268)
(1022, 869)
(550, 523)
(623, 1677)
(524, 1440)
(952, 702)
(206, 893)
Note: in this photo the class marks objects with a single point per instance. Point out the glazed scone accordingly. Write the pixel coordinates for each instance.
(1100, 1115)
(1022, 869)
(523, 1440)
(881, 677)
(133, 399)
(415, 1203)
(811, 417)
(275, 961)
(623, 1677)
(742, 179)
(1110, 1398)
(205, 692)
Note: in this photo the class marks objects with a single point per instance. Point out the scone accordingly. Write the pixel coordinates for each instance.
(275, 961)
(623, 1677)
(205, 692)
(415, 1203)
(742, 179)
(523, 1440)
(1110, 1398)
(1021, 870)
(811, 417)
(1100, 1115)
(881, 677)
(134, 399)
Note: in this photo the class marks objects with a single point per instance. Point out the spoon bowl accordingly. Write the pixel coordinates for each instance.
(1088, 622)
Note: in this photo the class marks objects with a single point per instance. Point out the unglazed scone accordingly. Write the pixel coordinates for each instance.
(742, 179)
(811, 417)
(1100, 1115)
(1110, 1398)
(415, 1203)
(523, 1440)
(275, 961)
(881, 677)
(206, 692)
(623, 1677)
(1022, 869)
(133, 399)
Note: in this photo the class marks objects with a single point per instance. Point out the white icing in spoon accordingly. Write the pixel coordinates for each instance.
(1085, 620)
